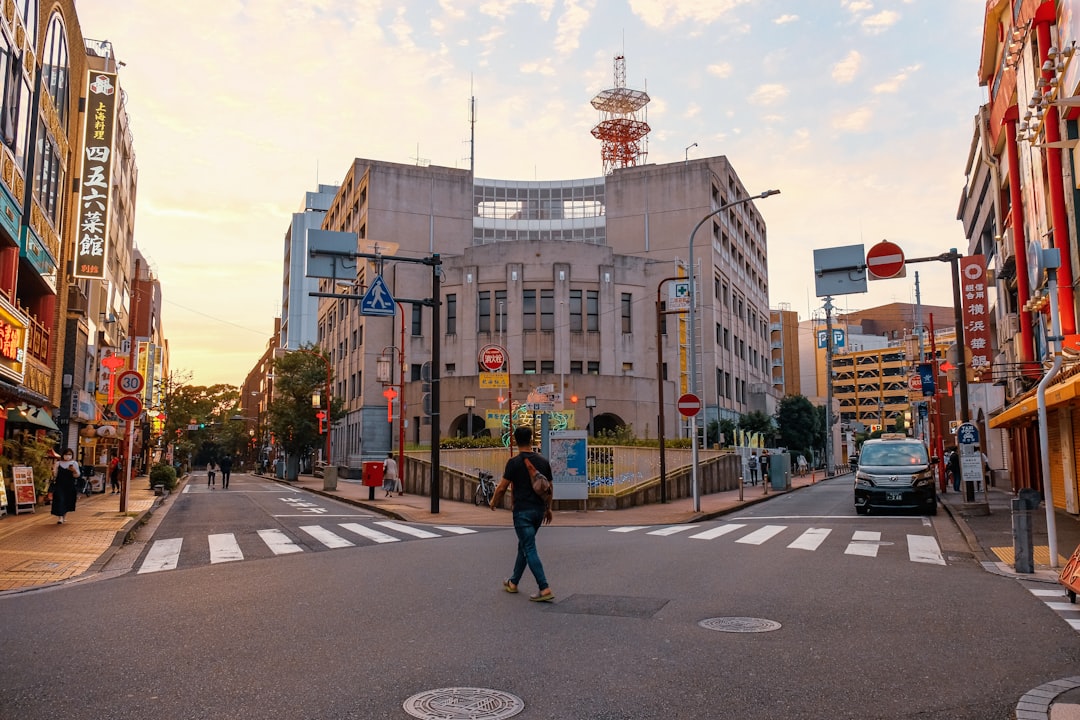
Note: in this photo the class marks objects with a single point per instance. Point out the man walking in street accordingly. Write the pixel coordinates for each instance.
(530, 511)
(226, 471)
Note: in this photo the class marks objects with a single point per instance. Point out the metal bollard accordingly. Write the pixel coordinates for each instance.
(1023, 548)
(740, 488)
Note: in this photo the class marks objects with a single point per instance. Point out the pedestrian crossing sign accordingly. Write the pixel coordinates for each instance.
(378, 301)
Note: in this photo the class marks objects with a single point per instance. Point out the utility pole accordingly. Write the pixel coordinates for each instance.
(828, 386)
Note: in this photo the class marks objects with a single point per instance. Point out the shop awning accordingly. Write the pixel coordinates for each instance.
(33, 416)
(1061, 393)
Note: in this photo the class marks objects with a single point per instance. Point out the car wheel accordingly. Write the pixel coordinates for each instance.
(862, 509)
(933, 509)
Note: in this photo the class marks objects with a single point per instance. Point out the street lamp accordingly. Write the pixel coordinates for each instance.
(470, 403)
(693, 340)
(590, 402)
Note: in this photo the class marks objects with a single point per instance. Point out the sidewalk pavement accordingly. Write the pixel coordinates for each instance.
(36, 551)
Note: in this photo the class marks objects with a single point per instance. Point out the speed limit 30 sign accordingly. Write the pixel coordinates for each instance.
(129, 382)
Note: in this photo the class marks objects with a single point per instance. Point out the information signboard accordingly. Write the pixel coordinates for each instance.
(25, 495)
(568, 450)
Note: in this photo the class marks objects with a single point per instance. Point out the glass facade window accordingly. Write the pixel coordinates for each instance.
(575, 311)
(528, 367)
(592, 309)
(627, 313)
(547, 366)
(528, 310)
(417, 320)
(547, 310)
(451, 314)
(28, 9)
(483, 311)
(594, 367)
(55, 66)
(575, 367)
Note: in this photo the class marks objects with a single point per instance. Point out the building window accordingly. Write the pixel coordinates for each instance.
(417, 319)
(451, 314)
(627, 313)
(483, 311)
(451, 368)
(528, 367)
(663, 317)
(727, 339)
(528, 310)
(500, 310)
(592, 310)
(55, 67)
(414, 372)
(628, 367)
(719, 334)
(354, 339)
(547, 310)
(594, 367)
(547, 366)
(575, 367)
(664, 371)
(575, 311)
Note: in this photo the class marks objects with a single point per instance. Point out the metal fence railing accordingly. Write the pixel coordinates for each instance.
(611, 469)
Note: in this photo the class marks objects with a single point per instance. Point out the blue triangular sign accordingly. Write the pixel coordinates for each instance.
(377, 300)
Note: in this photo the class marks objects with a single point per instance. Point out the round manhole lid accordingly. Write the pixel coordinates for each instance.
(740, 624)
(463, 703)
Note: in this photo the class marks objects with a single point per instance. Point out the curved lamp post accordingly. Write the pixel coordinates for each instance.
(693, 340)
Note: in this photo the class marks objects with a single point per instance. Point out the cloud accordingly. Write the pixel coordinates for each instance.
(768, 94)
(538, 68)
(845, 71)
(856, 6)
(571, 24)
(858, 120)
(892, 85)
(785, 19)
(879, 23)
(692, 110)
(664, 13)
(720, 69)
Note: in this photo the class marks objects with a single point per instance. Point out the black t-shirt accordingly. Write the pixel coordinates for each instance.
(525, 498)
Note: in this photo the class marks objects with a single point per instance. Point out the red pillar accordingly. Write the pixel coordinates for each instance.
(1059, 219)
(1016, 216)
(9, 271)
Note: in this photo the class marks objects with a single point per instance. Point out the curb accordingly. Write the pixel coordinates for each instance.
(1035, 704)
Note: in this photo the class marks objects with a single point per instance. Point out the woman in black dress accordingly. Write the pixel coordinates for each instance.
(64, 494)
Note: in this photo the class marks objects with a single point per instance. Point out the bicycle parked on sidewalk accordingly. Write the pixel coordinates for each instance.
(485, 488)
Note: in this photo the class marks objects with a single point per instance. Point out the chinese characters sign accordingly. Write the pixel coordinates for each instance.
(13, 335)
(93, 230)
(976, 314)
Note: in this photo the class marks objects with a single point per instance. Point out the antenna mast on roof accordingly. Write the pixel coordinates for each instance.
(622, 130)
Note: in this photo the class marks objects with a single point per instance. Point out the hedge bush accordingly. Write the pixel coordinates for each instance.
(163, 475)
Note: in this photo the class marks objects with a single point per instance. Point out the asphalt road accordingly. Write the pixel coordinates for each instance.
(353, 632)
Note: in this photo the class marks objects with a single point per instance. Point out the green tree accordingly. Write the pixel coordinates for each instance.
(209, 408)
(297, 376)
(758, 422)
(718, 428)
(797, 424)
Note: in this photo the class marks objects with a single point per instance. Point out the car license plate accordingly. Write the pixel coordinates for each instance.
(894, 497)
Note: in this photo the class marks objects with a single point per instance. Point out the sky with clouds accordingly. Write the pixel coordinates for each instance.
(860, 111)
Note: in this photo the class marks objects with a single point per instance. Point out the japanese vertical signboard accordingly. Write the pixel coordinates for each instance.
(976, 315)
(95, 178)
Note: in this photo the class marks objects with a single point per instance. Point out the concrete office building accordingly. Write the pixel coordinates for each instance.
(298, 308)
(565, 275)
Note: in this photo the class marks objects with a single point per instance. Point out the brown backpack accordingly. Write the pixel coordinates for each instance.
(541, 484)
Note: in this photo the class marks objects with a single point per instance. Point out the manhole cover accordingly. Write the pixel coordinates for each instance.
(740, 624)
(463, 703)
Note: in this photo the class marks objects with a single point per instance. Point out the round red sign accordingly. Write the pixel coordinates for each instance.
(915, 382)
(492, 357)
(689, 404)
(885, 260)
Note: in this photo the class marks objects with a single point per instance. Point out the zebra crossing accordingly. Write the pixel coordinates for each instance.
(1056, 598)
(862, 543)
(165, 554)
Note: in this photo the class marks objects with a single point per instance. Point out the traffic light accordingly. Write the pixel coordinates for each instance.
(202, 426)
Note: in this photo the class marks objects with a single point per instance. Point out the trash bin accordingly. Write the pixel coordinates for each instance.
(279, 469)
(1023, 508)
(373, 473)
(329, 479)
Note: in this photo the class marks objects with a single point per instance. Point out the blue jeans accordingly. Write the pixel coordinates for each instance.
(526, 523)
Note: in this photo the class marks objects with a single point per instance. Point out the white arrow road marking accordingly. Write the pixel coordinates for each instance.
(811, 539)
(224, 548)
(279, 543)
(327, 538)
(924, 549)
(717, 532)
(163, 555)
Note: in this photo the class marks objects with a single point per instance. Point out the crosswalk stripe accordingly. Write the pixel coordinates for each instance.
(762, 534)
(811, 539)
(327, 538)
(224, 548)
(629, 528)
(163, 555)
(1066, 606)
(1074, 623)
(924, 549)
(863, 542)
(455, 529)
(279, 543)
(415, 532)
(717, 531)
(1040, 592)
(366, 532)
(669, 530)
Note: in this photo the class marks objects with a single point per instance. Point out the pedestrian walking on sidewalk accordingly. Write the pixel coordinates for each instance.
(954, 468)
(752, 464)
(63, 486)
(226, 471)
(800, 463)
(763, 463)
(389, 475)
(530, 511)
(211, 473)
(114, 475)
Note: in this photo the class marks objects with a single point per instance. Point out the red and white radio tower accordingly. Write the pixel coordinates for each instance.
(622, 132)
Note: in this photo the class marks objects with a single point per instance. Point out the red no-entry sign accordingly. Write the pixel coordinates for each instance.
(689, 405)
(885, 260)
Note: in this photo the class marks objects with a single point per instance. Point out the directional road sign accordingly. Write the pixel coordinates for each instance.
(128, 407)
(378, 301)
(129, 382)
(884, 260)
(689, 405)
